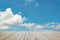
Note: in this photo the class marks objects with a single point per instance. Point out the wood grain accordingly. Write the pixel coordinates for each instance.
(29, 35)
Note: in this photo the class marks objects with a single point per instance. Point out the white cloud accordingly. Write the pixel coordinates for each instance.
(38, 26)
(57, 27)
(4, 27)
(6, 14)
(28, 25)
(32, 25)
(13, 20)
(53, 25)
(7, 18)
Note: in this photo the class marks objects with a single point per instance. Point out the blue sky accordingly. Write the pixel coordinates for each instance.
(36, 11)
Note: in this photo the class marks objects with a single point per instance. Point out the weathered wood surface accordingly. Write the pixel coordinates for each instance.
(29, 35)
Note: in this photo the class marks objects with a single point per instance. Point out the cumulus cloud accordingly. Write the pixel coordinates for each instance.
(32, 25)
(4, 27)
(52, 25)
(7, 18)
(38, 26)
(57, 27)
(28, 25)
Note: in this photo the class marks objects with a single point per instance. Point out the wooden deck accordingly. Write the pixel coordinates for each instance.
(29, 35)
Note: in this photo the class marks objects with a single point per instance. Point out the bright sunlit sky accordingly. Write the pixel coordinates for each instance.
(39, 12)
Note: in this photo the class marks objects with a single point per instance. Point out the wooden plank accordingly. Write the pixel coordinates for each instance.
(29, 35)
